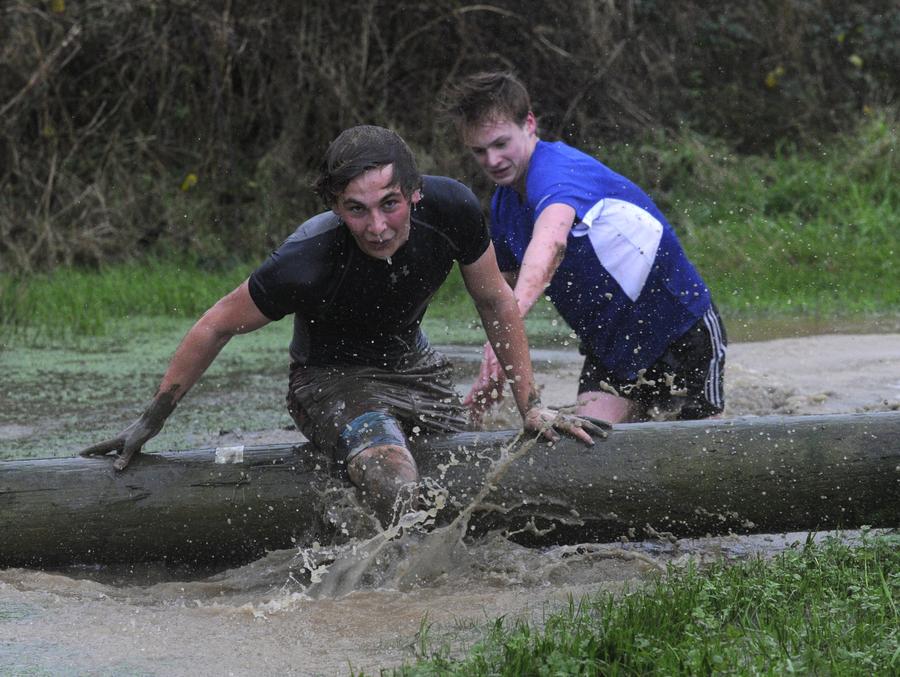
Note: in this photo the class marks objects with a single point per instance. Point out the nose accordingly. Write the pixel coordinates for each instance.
(377, 224)
(492, 157)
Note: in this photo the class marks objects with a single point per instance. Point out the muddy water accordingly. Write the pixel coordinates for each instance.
(262, 619)
(363, 603)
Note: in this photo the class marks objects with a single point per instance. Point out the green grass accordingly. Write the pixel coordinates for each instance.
(828, 609)
(79, 302)
(810, 233)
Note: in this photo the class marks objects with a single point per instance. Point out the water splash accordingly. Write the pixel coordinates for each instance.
(411, 552)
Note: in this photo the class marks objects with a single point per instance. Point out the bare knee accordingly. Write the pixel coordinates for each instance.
(384, 474)
(608, 407)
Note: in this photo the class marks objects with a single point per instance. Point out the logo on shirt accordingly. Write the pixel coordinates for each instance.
(396, 275)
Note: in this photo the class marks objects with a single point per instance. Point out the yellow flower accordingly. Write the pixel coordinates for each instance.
(856, 60)
(189, 182)
(58, 6)
(773, 76)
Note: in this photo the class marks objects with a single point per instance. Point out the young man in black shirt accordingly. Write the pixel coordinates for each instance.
(358, 280)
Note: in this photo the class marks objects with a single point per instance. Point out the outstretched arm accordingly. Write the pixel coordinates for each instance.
(235, 313)
(542, 257)
(487, 390)
(500, 316)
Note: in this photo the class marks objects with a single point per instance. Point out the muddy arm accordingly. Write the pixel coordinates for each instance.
(499, 314)
(235, 313)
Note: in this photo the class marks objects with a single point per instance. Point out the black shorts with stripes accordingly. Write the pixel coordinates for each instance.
(686, 380)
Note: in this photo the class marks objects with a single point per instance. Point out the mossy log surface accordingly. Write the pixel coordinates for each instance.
(746, 475)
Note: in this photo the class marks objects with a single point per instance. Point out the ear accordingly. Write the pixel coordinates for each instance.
(530, 123)
(416, 196)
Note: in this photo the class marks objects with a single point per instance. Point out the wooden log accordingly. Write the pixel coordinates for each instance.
(697, 478)
(747, 475)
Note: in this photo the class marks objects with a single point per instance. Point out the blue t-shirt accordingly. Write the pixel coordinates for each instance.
(625, 285)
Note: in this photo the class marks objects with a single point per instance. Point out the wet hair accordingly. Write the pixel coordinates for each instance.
(485, 96)
(357, 150)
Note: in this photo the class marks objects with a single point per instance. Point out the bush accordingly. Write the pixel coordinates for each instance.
(147, 127)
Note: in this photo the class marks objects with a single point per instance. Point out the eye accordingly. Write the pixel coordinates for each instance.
(355, 210)
(390, 205)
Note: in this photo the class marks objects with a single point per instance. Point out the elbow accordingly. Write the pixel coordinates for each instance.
(211, 326)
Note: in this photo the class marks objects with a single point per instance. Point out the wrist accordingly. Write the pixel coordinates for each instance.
(160, 408)
(534, 405)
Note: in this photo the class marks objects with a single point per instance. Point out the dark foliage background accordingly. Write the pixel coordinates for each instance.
(129, 128)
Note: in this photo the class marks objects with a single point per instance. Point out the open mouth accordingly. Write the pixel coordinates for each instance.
(499, 173)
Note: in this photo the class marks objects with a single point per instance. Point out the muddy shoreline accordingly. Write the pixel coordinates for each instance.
(55, 401)
(826, 374)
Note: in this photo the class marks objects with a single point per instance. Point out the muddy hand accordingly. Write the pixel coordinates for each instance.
(129, 442)
(549, 421)
(488, 387)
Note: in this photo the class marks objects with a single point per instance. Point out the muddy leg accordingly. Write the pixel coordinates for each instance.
(384, 473)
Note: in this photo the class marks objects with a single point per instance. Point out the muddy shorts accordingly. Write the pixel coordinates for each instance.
(343, 409)
(686, 380)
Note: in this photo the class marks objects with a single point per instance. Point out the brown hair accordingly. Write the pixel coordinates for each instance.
(359, 149)
(482, 96)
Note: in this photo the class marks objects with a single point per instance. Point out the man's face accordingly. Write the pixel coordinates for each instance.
(376, 212)
(503, 148)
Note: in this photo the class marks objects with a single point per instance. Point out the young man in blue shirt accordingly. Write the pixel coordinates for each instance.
(566, 226)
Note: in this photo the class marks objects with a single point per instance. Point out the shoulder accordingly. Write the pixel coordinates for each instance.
(304, 264)
(320, 227)
(307, 254)
(315, 240)
(450, 213)
(558, 160)
(446, 201)
(447, 193)
(563, 174)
